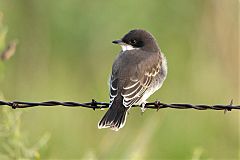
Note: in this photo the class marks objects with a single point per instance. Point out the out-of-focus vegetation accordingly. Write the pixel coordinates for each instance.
(65, 53)
(14, 142)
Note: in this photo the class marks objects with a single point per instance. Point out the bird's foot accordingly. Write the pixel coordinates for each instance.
(143, 107)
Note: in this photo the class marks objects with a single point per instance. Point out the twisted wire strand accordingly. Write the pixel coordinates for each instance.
(99, 105)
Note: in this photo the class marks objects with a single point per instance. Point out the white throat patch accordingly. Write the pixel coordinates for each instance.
(126, 47)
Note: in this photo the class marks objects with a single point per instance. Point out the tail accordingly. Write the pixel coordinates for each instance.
(114, 118)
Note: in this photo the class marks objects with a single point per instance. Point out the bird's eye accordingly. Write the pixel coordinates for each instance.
(133, 41)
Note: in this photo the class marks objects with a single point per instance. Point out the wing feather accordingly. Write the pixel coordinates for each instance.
(134, 90)
(113, 89)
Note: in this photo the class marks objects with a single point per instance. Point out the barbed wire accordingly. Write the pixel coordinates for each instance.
(100, 105)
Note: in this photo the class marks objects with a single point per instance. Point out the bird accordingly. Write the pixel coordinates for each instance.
(138, 71)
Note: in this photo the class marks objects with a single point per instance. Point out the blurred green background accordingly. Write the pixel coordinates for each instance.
(64, 53)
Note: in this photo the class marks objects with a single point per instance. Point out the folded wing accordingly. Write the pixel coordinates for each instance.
(134, 88)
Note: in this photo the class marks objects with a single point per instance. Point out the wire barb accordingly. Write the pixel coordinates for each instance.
(100, 105)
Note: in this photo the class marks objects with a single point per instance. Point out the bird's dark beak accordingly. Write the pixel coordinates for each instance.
(117, 42)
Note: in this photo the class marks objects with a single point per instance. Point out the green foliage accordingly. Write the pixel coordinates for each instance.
(14, 143)
(3, 32)
(65, 53)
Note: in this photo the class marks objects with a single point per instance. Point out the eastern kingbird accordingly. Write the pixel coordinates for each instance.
(138, 71)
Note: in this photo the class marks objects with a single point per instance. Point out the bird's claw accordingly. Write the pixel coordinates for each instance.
(143, 107)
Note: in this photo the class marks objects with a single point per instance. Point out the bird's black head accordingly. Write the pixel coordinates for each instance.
(138, 39)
